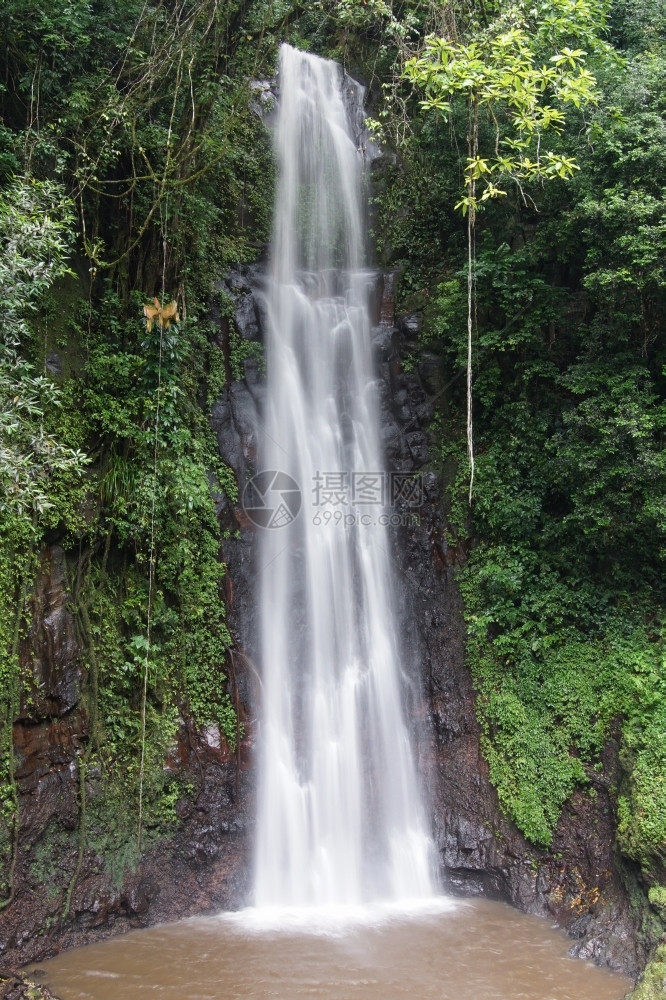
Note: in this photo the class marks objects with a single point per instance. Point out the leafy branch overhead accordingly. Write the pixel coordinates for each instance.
(507, 74)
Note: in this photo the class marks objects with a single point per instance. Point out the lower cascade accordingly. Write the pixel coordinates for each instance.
(340, 817)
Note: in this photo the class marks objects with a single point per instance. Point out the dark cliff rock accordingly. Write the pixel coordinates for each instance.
(50, 652)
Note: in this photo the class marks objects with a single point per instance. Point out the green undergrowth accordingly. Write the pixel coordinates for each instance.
(153, 479)
(564, 600)
(563, 597)
(548, 699)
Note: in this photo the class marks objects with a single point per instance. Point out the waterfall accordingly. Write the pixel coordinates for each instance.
(340, 818)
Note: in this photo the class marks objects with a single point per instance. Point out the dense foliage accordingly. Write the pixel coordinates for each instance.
(132, 165)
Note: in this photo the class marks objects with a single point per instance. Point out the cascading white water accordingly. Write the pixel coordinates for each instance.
(340, 820)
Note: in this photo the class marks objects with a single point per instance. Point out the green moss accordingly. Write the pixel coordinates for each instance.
(642, 809)
(240, 349)
(138, 505)
(546, 701)
(657, 899)
(60, 325)
(652, 984)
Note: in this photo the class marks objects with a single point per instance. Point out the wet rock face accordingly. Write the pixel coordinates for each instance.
(203, 867)
(61, 897)
(235, 420)
(49, 654)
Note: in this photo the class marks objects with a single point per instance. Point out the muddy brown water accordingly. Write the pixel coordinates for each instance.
(469, 950)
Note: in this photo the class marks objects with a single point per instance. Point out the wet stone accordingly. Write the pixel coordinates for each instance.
(245, 318)
(383, 342)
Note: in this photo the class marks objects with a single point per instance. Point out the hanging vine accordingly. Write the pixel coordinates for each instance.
(472, 152)
(163, 315)
(511, 73)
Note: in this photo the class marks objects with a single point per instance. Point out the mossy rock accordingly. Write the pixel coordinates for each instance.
(14, 986)
(657, 898)
(652, 985)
